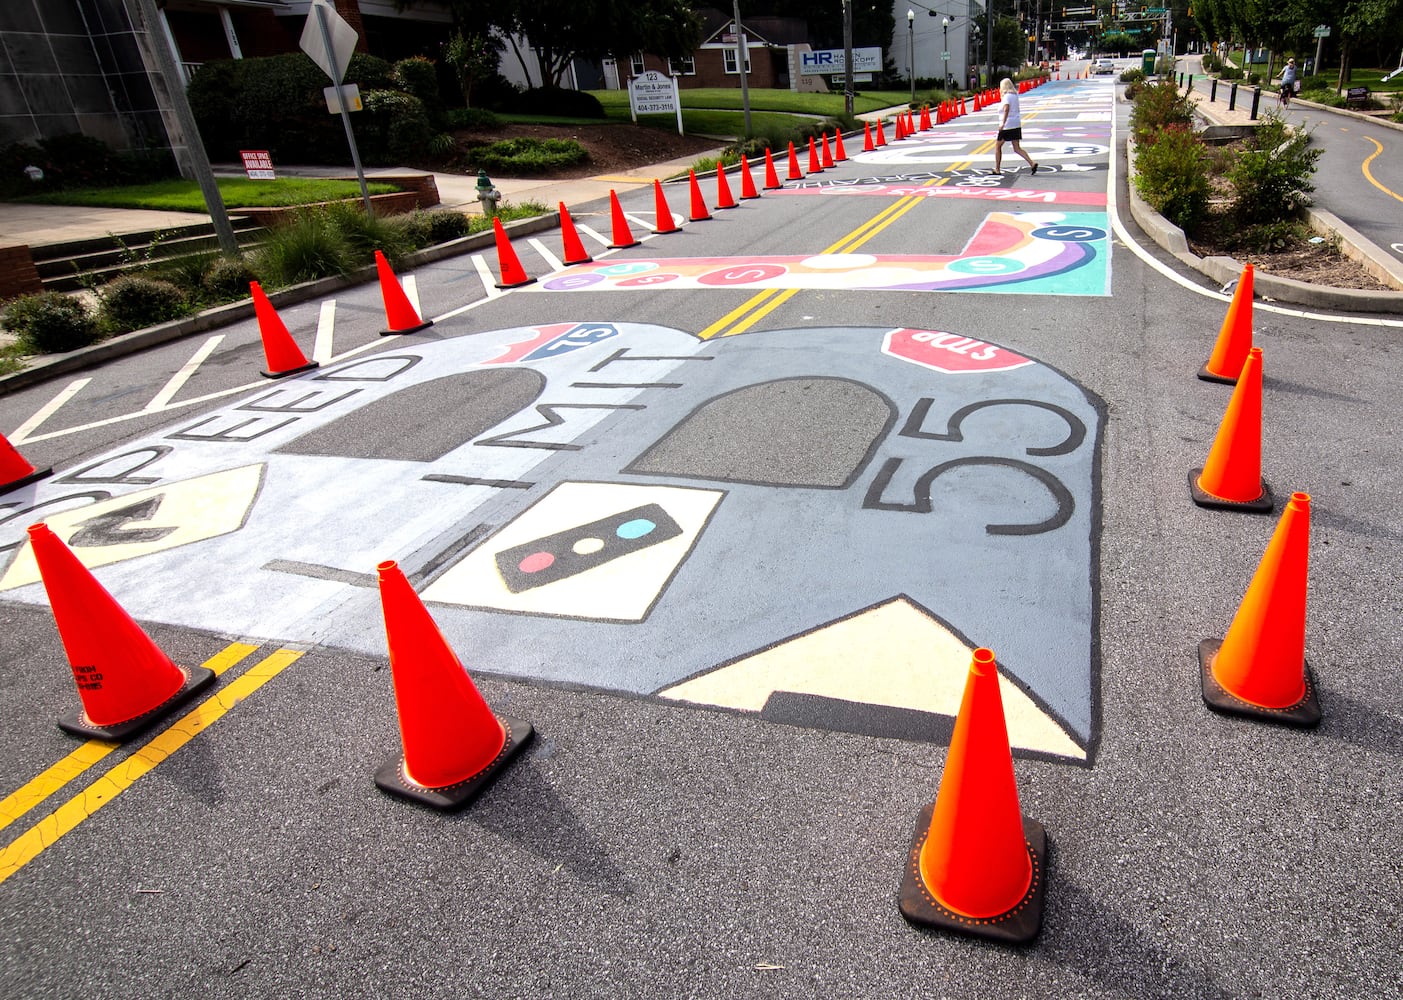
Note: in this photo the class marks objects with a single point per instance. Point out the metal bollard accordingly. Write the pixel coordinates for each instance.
(1189, 89)
(1232, 97)
(1213, 90)
(1256, 100)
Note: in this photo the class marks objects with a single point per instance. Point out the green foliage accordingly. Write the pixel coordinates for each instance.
(1268, 236)
(364, 234)
(1211, 63)
(507, 213)
(1159, 107)
(442, 145)
(393, 128)
(187, 270)
(473, 118)
(1135, 75)
(227, 278)
(474, 59)
(555, 101)
(1171, 174)
(418, 76)
(1271, 177)
(303, 247)
(50, 323)
(525, 156)
(74, 160)
(133, 302)
(237, 192)
(446, 225)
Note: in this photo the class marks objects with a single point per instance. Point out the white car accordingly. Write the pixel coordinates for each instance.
(1102, 66)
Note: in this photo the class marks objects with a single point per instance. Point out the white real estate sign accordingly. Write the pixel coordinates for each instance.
(652, 93)
(828, 61)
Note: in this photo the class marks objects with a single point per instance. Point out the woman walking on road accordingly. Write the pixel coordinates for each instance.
(1010, 126)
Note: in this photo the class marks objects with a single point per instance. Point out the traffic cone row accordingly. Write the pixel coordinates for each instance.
(1259, 668)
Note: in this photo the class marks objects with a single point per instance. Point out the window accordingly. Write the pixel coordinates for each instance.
(729, 57)
(635, 65)
(686, 66)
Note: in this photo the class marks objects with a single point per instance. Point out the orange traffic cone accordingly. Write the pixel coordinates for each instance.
(771, 175)
(125, 682)
(665, 222)
(977, 864)
(453, 745)
(622, 235)
(925, 118)
(1232, 477)
(509, 269)
(867, 145)
(699, 209)
(1235, 337)
(826, 154)
(1260, 669)
(281, 351)
(400, 316)
(570, 239)
(839, 153)
(747, 182)
(881, 133)
(15, 469)
(723, 189)
(795, 174)
(814, 165)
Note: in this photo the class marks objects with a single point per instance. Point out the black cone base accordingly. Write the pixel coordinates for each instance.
(292, 371)
(196, 680)
(1017, 926)
(408, 329)
(515, 284)
(1264, 504)
(1209, 376)
(391, 777)
(624, 246)
(33, 477)
(1305, 714)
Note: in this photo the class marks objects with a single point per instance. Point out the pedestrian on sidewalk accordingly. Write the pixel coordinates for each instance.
(1010, 126)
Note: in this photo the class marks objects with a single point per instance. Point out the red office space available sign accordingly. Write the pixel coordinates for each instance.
(949, 352)
(258, 164)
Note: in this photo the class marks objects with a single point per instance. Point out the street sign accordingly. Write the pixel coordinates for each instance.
(652, 93)
(826, 61)
(342, 39)
(348, 98)
(1322, 31)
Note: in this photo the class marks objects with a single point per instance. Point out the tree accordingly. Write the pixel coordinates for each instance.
(559, 33)
(474, 57)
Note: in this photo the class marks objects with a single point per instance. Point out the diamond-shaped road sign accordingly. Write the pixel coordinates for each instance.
(343, 40)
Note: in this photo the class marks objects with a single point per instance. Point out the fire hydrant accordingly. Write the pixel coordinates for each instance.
(487, 194)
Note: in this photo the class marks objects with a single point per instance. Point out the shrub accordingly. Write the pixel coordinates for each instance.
(50, 322)
(393, 127)
(442, 144)
(228, 278)
(303, 247)
(1271, 177)
(527, 156)
(364, 234)
(445, 225)
(1171, 173)
(555, 101)
(75, 161)
(1135, 75)
(1160, 107)
(186, 271)
(473, 118)
(418, 76)
(1211, 64)
(133, 302)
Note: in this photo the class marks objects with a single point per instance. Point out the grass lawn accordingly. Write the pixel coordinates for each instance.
(185, 196)
(1371, 78)
(726, 123)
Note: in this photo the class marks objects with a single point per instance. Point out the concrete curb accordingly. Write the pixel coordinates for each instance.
(53, 365)
(1270, 286)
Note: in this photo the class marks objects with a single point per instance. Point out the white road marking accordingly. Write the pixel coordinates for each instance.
(46, 411)
(553, 263)
(178, 380)
(592, 234)
(411, 291)
(489, 280)
(326, 325)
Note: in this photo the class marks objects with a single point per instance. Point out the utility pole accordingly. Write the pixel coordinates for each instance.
(740, 66)
(848, 57)
(989, 37)
(194, 146)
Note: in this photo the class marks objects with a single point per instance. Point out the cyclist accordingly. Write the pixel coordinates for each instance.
(1288, 83)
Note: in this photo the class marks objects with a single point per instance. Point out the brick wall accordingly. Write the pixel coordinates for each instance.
(18, 276)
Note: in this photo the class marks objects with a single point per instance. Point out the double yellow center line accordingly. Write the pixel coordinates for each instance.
(122, 775)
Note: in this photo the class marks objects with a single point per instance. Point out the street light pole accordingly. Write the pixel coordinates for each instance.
(945, 48)
(911, 49)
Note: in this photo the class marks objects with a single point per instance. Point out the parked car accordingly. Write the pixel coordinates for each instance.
(1102, 66)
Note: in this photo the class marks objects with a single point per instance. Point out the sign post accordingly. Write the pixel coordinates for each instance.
(330, 42)
(1322, 32)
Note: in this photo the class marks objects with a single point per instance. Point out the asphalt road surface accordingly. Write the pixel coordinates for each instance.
(721, 515)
